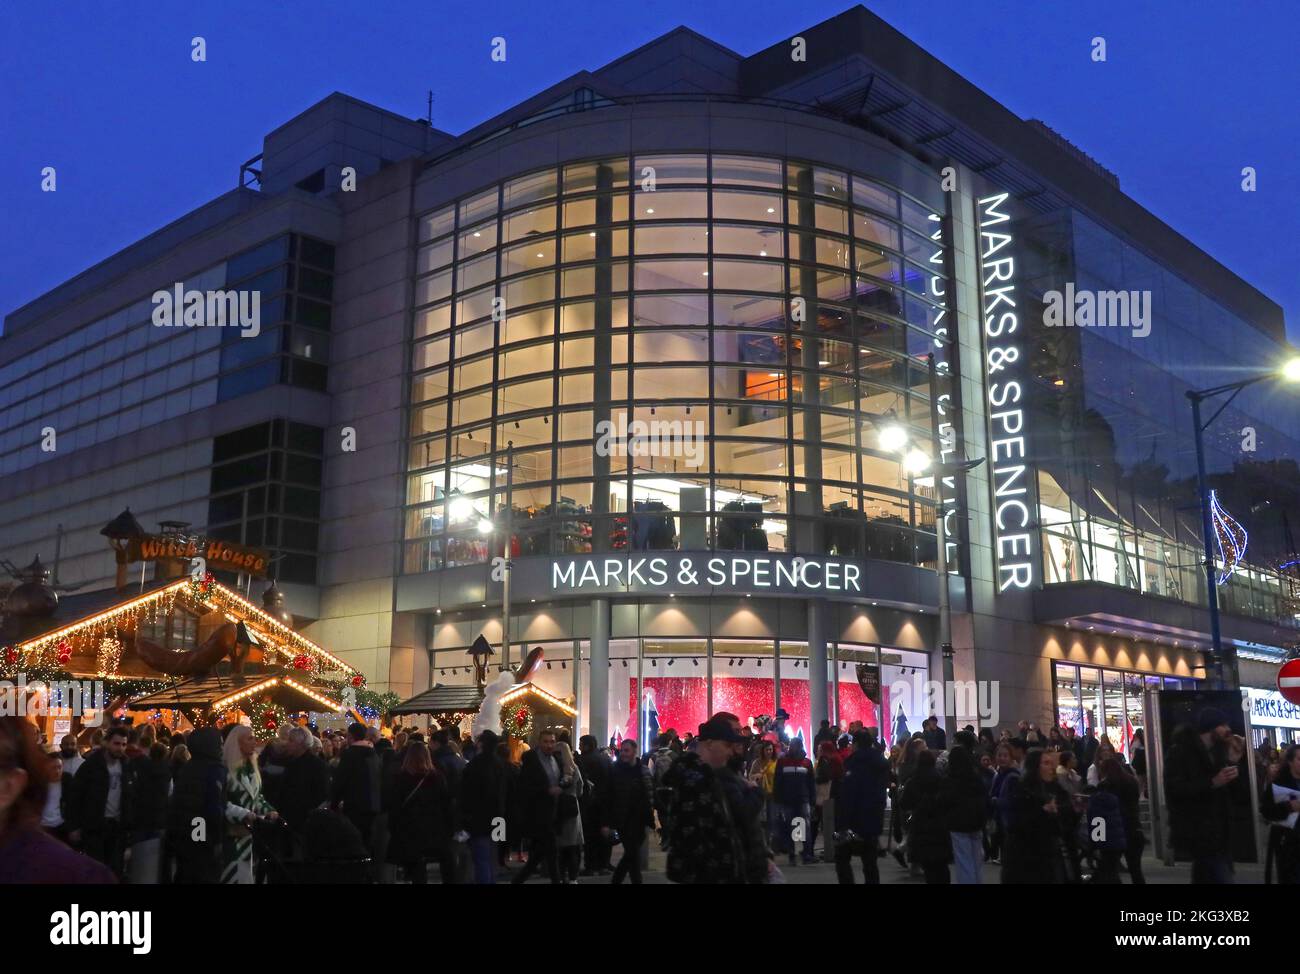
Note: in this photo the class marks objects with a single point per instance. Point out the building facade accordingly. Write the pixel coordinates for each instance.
(664, 351)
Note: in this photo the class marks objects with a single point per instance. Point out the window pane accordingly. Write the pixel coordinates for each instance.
(477, 207)
(672, 205)
(745, 171)
(582, 177)
(437, 223)
(690, 238)
(478, 239)
(749, 241)
(530, 189)
(529, 223)
(766, 207)
(673, 169)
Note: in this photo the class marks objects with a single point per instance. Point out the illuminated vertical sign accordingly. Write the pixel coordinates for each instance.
(1012, 514)
(937, 290)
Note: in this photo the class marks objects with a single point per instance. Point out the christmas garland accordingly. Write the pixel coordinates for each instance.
(517, 720)
(11, 668)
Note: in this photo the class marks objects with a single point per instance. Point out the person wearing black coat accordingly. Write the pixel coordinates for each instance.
(859, 796)
(1197, 780)
(357, 788)
(928, 844)
(151, 780)
(627, 809)
(483, 805)
(539, 793)
(304, 782)
(595, 768)
(965, 799)
(1117, 779)
(418, 803)
(99, 809)
(1032, 810)
(1283, 840)
(196, 814)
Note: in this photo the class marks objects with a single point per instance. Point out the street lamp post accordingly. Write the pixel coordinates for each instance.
(506, 563)
(1223, 667)
(894, 438)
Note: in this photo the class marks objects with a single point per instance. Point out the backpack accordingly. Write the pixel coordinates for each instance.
(1103, 810)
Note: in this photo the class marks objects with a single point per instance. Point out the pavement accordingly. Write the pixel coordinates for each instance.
(891, 873)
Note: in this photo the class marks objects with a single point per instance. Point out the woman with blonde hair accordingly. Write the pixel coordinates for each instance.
(244, 805)
(569, 836)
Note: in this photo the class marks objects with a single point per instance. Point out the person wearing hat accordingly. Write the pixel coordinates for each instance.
(715, 834)
(778, 725)
(1197, 787)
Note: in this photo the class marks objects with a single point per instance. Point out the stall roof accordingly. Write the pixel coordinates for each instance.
(97, 608)
(220, 692)
(441, 700)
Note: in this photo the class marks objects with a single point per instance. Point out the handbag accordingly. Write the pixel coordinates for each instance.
(568, 807)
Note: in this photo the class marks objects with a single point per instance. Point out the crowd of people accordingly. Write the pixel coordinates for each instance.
(726, 805)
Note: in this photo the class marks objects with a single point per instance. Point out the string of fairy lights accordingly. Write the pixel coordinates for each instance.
(49, 658)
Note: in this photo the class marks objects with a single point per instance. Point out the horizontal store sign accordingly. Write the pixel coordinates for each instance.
(1268, 708)
(688, 572)
(220, 555)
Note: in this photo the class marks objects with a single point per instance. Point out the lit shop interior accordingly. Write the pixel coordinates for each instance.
(657, 684)
(669, 312)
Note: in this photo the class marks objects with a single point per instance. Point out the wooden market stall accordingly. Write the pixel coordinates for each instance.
(196, 650)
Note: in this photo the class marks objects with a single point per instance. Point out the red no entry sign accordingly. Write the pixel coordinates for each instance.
(1288, 680)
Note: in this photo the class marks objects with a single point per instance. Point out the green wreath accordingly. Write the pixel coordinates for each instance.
(517, 720)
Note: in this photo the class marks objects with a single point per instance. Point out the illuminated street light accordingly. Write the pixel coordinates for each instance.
(892, 438)
(916, 462)
(1291, 371)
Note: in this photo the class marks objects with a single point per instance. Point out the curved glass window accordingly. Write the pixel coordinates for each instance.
(673, 351)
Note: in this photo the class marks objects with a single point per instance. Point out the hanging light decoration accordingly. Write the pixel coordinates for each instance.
(1229, 536)
(108, 656)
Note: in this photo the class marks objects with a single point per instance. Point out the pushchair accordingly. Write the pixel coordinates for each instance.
(328, 851)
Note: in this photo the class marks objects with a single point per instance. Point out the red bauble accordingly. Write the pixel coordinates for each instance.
(269, 723)
(358, 681)
(11, 656)
(302, 662)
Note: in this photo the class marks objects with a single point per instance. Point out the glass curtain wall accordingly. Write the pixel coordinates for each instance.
(691, 367)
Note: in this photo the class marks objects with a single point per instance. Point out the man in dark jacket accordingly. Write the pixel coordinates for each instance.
(304, 782)
(595, 767)
(715, 832)
(99, 812)
(539, 792)
(483, 806)
(196, 816)
(627, 810)
(859, 796)
(357, 789)
(1197, 777)
(935, 738)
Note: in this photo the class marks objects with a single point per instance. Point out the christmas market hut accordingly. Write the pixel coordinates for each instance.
(446, 706)
(527, 710)
(190, 651)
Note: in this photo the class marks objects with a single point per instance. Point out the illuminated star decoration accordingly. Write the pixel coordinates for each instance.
(1229, 536)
